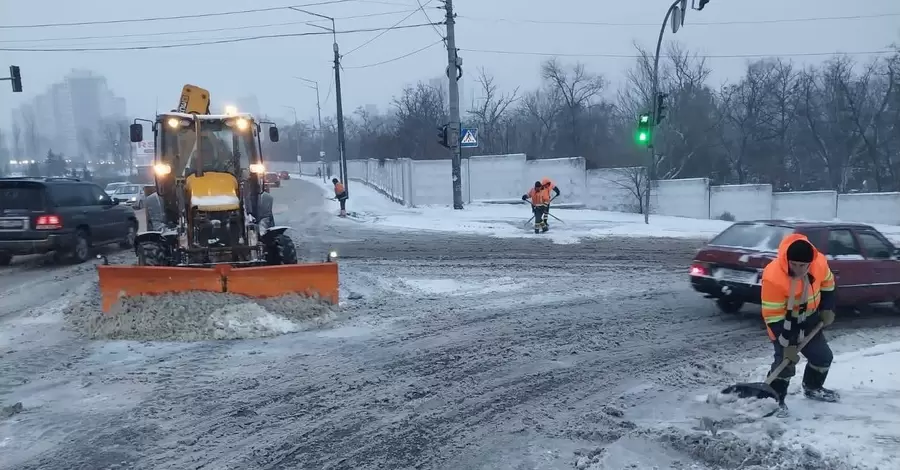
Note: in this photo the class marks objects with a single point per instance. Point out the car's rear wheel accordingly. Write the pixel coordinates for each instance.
(81, 252)
(5, 259)
(729, 305)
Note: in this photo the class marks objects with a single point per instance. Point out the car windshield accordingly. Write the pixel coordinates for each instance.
(760, 237)
(215, 150)
(21, 196)
(113, 186)
(128, 189)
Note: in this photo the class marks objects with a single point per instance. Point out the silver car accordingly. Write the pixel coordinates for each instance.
(130, 194)
(111, 187)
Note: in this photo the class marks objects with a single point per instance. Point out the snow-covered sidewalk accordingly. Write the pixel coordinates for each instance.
(861, 431)
(511, 220)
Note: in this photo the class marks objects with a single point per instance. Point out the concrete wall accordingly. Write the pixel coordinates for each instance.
(504, 177)
(805, 205)
(742, 201)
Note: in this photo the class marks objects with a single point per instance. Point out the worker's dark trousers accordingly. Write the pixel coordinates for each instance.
(540, 216)
(818, 356)
(343, 204)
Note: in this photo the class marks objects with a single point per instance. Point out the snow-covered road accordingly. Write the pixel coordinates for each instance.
(452, 352)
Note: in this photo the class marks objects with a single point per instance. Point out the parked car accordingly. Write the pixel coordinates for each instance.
(65, 216)
(130, 195)
(866, 265)
(111, 187)
(284, 175)
(273, 180)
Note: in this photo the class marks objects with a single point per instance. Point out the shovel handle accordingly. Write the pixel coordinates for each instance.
(785, 362)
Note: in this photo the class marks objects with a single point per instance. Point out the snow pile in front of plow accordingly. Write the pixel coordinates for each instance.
(195, 316)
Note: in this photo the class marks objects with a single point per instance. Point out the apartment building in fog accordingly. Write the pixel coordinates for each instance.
(67, 116)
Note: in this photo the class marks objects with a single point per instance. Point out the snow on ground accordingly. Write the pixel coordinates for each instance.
(860, 432)
(509, 220)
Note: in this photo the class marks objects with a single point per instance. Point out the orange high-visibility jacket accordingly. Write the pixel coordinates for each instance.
(778, 286)
(548, 183)
(539, 197)
(338, 188)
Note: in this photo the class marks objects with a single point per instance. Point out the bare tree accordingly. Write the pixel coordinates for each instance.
(490, 110)
(18, 153)
(578, 89)
(634, 181)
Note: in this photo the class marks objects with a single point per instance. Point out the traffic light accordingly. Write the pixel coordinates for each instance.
(442, 136)
(16, 76)
(660, 107)
(643, 130)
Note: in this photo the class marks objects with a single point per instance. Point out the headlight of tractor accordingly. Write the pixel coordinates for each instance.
(162, 169)
(242, 124)
(258, 168)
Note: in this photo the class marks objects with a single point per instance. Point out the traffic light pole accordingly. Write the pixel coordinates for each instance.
(654, 111)
(15, 76)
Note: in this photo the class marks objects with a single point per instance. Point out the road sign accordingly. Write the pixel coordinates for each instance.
(468, 138)
(299, 158)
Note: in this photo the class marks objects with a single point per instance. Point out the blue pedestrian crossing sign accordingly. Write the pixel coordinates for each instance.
(468, 138)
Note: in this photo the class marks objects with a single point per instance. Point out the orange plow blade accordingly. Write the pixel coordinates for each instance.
(130, 281)
(312, 280)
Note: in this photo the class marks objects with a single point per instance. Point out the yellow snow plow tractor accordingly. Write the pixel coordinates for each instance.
(210, 225)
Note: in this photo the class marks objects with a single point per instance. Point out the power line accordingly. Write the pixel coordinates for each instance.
(439, 41)
(182, 17)
(428, 18)
(192, 31)
(395, 26)
(709, 56)
(206, 43)
(701, 23)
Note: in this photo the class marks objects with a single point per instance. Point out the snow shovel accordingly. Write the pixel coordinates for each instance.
(762, 390)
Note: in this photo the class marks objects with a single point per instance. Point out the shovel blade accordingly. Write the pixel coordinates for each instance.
(758, 390)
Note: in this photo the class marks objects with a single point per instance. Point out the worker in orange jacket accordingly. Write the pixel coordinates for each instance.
(798, 291)
(540, 201)
(340, 193)
(549, 186)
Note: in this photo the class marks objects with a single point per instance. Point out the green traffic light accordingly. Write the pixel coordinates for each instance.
(642, 137)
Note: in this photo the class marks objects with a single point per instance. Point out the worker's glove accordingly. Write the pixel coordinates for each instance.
(524, 198)
(827, 317)
(792, 353)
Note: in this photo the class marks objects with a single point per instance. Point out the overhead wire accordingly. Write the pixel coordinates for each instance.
(193, 31)
(408, 54)
(395, 26)
(176, 17)
(704, 56)
(211, 42)
(428, 18)
(699, 23)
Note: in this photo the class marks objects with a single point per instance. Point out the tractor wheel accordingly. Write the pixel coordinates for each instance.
(152, 254)
(281, 250)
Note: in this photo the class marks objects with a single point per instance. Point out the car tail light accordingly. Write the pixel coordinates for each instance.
(699, 269)
(48, 222)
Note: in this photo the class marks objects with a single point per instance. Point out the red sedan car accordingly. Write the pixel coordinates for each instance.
(866, 265)
(284, 175)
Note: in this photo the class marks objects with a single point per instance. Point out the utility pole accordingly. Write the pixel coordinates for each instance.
(340, 117)
(454, 70)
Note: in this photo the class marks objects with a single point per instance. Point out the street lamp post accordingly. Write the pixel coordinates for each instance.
(315, 86)
(337, 94)
(297, 135)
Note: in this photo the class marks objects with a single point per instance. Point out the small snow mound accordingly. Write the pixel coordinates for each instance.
(196, 316)
(726, 449)
(452, 287)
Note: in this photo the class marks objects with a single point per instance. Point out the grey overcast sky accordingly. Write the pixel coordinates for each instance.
(265, 67)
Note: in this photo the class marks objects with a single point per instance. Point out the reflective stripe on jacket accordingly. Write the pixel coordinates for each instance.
(781, 291)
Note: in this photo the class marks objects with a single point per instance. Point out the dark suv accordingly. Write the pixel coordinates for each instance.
(61, 215)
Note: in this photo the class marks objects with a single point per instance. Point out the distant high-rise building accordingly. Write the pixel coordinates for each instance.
(443, 83)
(248, 104)
(68, 116)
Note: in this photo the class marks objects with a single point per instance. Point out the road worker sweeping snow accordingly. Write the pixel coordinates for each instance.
(540, 201)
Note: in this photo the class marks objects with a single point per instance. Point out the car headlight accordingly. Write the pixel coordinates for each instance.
(134, 198)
